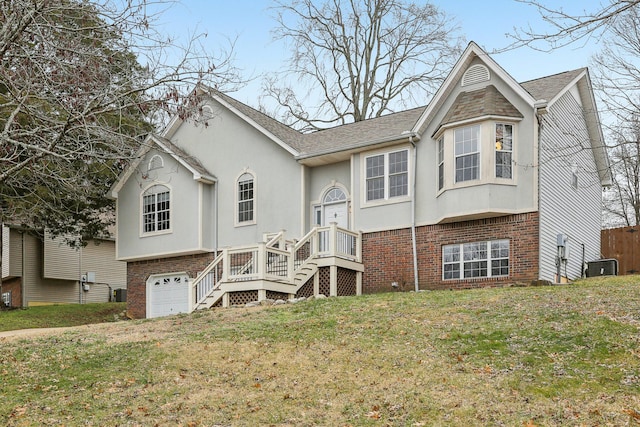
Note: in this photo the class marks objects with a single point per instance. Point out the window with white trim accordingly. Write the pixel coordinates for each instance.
(467, 153)
(476, 259)
(246, 198)
(441, 163)
(387, 175)
(504, 150)
(156, 204)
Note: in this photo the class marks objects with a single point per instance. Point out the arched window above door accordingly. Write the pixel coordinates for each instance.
(334, 195)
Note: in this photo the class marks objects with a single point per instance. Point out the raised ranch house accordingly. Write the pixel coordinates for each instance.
(40, 270)
(493, 183)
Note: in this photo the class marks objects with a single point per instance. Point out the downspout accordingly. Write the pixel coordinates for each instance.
(215, 224)
(413, 214)
(540, 109)
(24, 275)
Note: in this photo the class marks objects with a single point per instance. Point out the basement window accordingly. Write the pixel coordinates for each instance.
(476, 259)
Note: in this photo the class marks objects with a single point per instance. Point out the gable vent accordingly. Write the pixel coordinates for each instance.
(475, 74)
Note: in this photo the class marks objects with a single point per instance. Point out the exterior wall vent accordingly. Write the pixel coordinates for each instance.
(475, 74)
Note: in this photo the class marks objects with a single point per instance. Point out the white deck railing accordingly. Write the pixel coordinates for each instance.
(275, 260)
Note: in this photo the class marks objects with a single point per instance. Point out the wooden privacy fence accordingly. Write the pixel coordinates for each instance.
(622, 244)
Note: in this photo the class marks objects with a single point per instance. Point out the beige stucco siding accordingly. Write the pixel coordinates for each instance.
(229, 147)
(185, 212)
(488, 194)
(485, 197)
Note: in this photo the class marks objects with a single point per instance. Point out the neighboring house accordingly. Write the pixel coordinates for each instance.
(37, 271)
(493, 183)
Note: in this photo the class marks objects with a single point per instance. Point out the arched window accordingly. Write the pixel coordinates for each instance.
(156, 204)
(245, 199)
(334, 195)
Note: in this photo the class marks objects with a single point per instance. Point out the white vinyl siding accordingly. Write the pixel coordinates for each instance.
(564, 209)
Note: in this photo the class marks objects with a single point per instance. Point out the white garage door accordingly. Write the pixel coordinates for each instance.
(167, 294)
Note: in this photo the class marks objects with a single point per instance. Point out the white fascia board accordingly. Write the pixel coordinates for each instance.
(472, 49)
(601, 154)
(197, 176)
(124, 176)
(569, 86)
(171, 127)
(465, 122)
(256, 125)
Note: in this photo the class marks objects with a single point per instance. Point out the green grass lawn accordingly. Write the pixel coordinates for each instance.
(50, 316)
(542, 356)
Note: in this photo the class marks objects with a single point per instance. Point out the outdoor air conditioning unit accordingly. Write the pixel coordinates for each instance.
(120, 295)
(602, 267)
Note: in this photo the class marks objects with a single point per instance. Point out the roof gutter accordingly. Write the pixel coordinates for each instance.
(367, 144)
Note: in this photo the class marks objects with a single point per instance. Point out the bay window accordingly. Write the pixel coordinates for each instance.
(467, 153)
(504, 150)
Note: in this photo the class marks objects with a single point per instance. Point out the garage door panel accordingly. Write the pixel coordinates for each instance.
(168, 294)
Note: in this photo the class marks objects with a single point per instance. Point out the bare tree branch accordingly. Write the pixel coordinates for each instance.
(81, 83)
(568, 28)
(358, 59)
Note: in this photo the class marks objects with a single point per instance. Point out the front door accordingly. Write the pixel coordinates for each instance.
(337, 213)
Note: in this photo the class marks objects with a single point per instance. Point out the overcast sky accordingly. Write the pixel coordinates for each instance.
(484, 22)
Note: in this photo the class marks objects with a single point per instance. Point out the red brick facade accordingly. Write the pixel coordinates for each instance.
(387, 258)
(139, 271)
(388, 255)
(15, 287)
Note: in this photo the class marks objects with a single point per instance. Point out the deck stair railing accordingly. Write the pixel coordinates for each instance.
(276, 260)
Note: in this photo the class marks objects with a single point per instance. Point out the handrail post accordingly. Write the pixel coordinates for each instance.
(313, 243)
(333, 239)
(359, 247)
(261, 263)
(225, 265)
(291, 262)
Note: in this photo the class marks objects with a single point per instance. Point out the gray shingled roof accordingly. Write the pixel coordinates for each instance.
(283, 132)
(482, 102)
(487, 101)
(193, 162)
(333, 139)
(548, 87)
(357, 134)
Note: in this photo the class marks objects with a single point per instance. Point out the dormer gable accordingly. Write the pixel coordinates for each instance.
(485, 102)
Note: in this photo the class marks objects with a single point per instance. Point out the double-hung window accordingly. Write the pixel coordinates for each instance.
(245, 198)
(504, 150)
(156, 203)
(476, 259)
(387, 175)
(467, 153)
